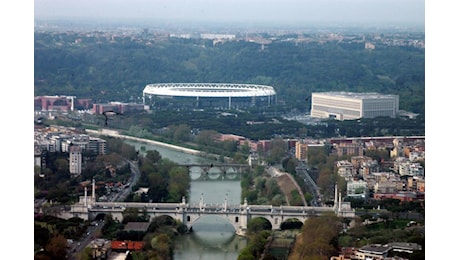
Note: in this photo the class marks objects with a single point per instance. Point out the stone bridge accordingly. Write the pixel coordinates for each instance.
(216, 171)
(237, 215)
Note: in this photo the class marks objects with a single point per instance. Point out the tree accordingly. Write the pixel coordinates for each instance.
(57, 247)
(179, 183)
(317, 157)
(290, 165)
(207, 137)
(62, 165)
(41, 235)
(245, 149)
(318, 239)
(278, 200)
(259, 183)
(162, 247)
(182, 133)
(258, 224)
(272, 188)
(153, 156)
(278, 150)
(256, 245)
(239, 158)
(259, 170)
(378, 155)
(134, 215)
(229, 146)
(325, 181)
(158, 190)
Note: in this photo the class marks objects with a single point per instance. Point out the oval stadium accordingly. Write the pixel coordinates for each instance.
(208, 95)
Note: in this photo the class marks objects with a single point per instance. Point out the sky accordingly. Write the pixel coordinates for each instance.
(257, 11)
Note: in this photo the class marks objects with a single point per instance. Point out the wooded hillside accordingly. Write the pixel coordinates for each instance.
(118, 70)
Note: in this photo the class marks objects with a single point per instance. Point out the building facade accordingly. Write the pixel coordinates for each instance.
(60, 103)
(301, 151)
(349, 105)
(75, 160)
(117, 107)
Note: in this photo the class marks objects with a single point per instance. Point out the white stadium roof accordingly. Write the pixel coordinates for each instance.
(208, 90)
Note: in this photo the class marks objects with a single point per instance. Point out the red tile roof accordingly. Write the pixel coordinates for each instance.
(127, 245)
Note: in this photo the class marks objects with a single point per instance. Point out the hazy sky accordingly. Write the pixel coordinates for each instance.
(283, 11)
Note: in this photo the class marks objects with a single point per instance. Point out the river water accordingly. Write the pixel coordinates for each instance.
(213, 238)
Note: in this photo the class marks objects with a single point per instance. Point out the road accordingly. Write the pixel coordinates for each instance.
(83, 242)
(136, 173)
(302, 170)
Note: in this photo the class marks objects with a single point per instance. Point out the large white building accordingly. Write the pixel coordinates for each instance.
(349, 105)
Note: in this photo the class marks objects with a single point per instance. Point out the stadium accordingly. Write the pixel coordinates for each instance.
(208, 95)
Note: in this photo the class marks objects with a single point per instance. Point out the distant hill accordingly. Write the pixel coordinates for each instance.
(113, 67)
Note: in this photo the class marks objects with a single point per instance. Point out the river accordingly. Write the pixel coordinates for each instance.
(212, 237)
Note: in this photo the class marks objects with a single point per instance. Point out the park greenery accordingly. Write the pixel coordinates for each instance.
(104, 69)
(258, 189)
(165, 180)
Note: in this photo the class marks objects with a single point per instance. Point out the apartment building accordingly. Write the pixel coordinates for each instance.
(75, 160)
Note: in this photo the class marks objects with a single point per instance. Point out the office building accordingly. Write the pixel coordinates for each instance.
(348, 105)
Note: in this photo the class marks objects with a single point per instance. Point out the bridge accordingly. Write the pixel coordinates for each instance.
(237, 215)
(226, 171)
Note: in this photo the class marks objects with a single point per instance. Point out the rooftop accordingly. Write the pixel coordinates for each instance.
(137, 226)
(375, 249)
(355, 95)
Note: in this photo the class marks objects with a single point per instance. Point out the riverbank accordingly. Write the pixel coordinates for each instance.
(114, 133)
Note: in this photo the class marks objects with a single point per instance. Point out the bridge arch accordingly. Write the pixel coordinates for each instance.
(259, 223)
(166, 220)
(195, 172)
(207, 218)
(215, 173)
(100, 216)
(222, 233)
(291, 223)
(233, 219)
(231, 173)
